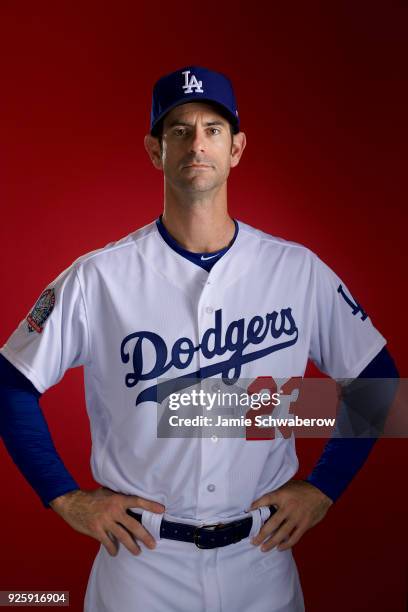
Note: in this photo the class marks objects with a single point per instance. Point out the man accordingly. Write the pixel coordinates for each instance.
(193, 294)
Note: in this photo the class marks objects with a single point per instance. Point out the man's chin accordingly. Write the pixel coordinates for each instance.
(198, 185)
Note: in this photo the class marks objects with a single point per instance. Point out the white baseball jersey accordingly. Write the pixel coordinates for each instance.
(136, 311)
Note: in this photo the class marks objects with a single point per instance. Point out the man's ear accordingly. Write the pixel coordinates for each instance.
(152, 146)
(238, 146)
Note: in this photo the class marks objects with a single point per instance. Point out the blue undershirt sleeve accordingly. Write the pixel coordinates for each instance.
(27, 437)
(343, 457)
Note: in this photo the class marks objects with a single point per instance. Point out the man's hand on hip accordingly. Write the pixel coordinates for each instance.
(300, 506)
(102, 515)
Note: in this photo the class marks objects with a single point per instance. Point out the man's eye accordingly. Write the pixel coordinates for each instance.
(215, 130)
(179, 131)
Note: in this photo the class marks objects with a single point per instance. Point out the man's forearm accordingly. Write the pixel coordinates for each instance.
(27, 437)
(364, 408)
(60, 502)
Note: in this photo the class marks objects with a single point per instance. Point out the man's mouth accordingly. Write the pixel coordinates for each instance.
(197, 166)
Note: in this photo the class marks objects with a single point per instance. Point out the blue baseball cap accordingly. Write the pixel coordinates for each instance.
(193, 84)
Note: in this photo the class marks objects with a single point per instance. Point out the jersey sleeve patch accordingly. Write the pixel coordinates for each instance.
(356, 308)
(41, 311)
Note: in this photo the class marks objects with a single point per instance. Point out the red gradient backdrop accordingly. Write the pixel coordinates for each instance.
(322, 96)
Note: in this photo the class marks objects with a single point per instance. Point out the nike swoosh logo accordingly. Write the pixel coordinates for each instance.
(210, 257)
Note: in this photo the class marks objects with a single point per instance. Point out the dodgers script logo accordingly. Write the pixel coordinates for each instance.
(238, 336)
(191, 84)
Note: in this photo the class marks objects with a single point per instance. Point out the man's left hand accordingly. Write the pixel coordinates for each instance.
(300, 506)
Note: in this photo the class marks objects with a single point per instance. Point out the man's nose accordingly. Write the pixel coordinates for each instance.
(197, 140)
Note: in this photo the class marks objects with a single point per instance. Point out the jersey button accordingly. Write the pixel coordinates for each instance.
(209, 310)
(211, 488)
(214, 438)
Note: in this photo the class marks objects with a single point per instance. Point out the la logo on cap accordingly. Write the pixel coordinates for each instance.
(192, 83)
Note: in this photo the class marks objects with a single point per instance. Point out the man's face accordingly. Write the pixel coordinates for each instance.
(197, 148)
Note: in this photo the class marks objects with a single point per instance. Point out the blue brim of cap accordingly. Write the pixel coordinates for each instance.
(225, 111)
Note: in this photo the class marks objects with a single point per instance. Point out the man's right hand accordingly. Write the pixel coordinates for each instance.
(101, 514)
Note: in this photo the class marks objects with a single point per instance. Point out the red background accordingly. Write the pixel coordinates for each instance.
(322, 97)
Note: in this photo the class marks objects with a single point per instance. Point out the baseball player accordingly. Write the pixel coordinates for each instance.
(201, 522)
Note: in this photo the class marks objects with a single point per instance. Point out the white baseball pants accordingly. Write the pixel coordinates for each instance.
(179, 577)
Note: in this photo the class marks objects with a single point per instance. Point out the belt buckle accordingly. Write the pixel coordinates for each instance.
(196, 535)
(215, 527)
